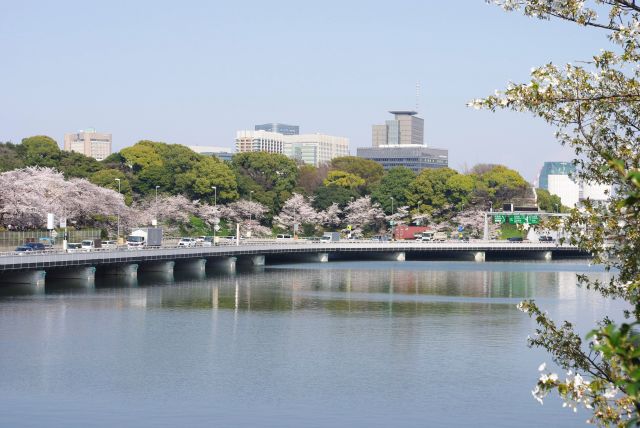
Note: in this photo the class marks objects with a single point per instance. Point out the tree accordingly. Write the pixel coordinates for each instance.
(363, 215)
(9, 158)
(310, 178)
(428, 192)
(499, 184)
(548, 202)
(331, 216)
(248, 214)
(74, 164)
(271, 177)
(39, 150)
(596, 107)
(394, 184)
(343, 179)
(296, 210)
(107, 179)
(370, 171)
(326, 196)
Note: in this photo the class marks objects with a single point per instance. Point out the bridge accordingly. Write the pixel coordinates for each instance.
(33, 267)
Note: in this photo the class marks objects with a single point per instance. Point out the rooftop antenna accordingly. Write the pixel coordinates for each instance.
(417, 96)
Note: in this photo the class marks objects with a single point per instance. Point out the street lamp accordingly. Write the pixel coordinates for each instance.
(215, 196)
(392, 221)
(557, 209)
(491, 206)
(118, 238)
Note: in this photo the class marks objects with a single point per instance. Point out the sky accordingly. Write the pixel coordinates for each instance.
(195, 72)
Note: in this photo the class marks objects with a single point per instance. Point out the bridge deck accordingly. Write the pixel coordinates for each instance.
(37, 260)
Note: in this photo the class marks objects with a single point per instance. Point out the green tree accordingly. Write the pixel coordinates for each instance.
(327, 195)
(459, 190)
(428, 192)
(310, 178)
(9, 157)
(370, 171)
(107, 178)
(343, 179)
(39, 150)
(548, 202)
(595, 105)
(499, 184)
(268, 177)
(394, 184)
(74, 164)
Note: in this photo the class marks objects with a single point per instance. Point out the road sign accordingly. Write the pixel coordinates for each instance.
(63, 222)
(523, 218)
(216, 228)
(500, 218)
(460, 228)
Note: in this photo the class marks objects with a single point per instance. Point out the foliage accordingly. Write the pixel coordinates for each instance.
(548, 202)
(107, 179)
(326, 196)
(595, 106)
(370, 171)
(9, 158)
(500, 184)
(394, 184)
(363, 215)
(310, 178)
(39, 150)
(428, 192)
(271, 177)
(343, 179)
(296, 210)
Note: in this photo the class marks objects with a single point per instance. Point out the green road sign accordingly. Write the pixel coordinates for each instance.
(500, 218)
(522, 218)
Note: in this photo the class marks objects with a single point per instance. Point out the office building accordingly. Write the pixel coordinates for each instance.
(89, 142)
(553, 168)
(259, 141)
(280, 128)
(412, 156)
(557, 178)
(222, 153)
(315, 149)
(404, 129)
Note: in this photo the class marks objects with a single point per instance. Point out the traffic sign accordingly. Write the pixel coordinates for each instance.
(500, 218)
(460, 228)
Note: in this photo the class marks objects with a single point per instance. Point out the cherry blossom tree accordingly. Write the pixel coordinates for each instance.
(296, 210)
(362, 214)
(248, 214)
(331, 216)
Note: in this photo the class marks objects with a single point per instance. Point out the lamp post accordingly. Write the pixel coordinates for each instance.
(392, 221)
(557, 209)
(215, 196)
(490, 206)
(119, 192)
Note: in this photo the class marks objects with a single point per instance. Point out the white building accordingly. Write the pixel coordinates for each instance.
(564, 187)
(312, 149)
(315, 149)
(89, 142)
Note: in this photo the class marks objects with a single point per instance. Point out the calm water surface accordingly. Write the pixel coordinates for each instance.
(354, 344)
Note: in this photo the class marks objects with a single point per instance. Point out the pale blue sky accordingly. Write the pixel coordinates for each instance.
(194, 72)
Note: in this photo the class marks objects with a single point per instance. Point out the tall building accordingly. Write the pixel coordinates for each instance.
(279, 127)
(313, 149)
(412, 156)
(221, 153)
(89, 142)
(556, 177)
(554, 168)
(404, 129)
(259, 141)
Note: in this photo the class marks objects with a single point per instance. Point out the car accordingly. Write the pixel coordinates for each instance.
(36, 246)
(515, 239)
(187, 242)
(23, 249)
(74, 247)
(200, 239)
(281, 237)
(46, 241)
(87, 245)
(109, 245)
(545, 238)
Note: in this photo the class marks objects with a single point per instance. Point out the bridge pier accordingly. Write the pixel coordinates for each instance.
(33, 277)
(163, 266)
(224, 264)
(479, 256)
(127, 270)
(193, 265)
(86, 273)
(257, 260)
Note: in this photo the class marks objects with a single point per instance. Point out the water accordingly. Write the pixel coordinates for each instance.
(357, 344)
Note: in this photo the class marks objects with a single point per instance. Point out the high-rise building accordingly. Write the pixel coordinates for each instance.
(89, 142)
(279, 127)
(404, 129)
(412, 156)
(259, 141)
(558, 179)
(313, 149)
(554, 168)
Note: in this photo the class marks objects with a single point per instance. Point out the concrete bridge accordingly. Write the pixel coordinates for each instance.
(33, 267)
